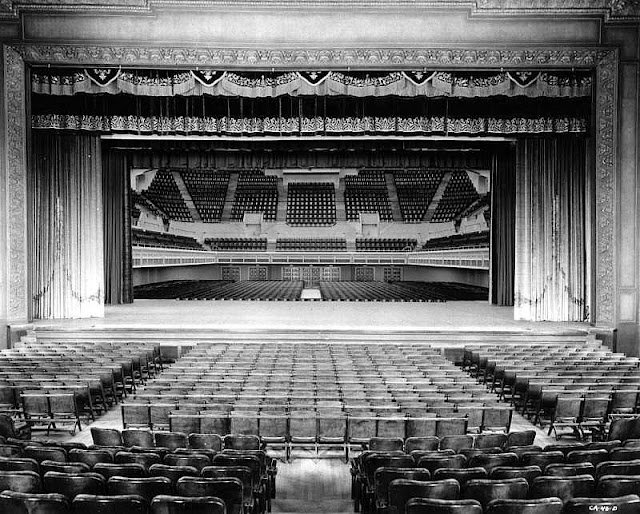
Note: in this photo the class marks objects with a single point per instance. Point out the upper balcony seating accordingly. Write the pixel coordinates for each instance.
(385, 245)
(141, 237)
(367, 192)
(255, 192)
(163, 192)
(139, 200)
(472, 240)
(237, 244)
(311, 204)
(208, 190)
(415, 190)
(311, 245)
(457, 196)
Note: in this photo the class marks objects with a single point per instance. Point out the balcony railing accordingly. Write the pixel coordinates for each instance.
(471, 258)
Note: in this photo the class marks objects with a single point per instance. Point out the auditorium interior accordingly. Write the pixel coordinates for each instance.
(376, 256)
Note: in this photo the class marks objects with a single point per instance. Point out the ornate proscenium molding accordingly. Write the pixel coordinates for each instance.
(616, 10)
(307, 59)
(15, 94)
(603, 60)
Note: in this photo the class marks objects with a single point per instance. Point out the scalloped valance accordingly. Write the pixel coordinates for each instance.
(412, 83)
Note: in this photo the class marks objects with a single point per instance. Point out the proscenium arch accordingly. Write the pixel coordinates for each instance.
(603, 61)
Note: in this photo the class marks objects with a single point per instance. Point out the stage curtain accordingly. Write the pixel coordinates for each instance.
(66, 226)
(502, 225)
(550, 228)
(117, 229)
(251, 157)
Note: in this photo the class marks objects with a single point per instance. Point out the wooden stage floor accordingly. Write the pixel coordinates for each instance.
(342, 316)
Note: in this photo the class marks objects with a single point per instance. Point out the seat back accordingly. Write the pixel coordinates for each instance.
(73, 484)
(121, 504)
(520, 506)
(486, 490)
(146, 487)
(165, 504)
(564, 488)
(106, 437)
(402, 490)
(228, 490)
(20, 481)
(108, 470)
(15, 502)
(437, 506)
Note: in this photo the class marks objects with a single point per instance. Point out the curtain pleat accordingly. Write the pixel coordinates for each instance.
(66, 226)
(550, 227)
(117, 229)
(502, 225)
(288, 157)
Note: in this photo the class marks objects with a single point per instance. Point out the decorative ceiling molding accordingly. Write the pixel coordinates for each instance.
(312, 59)
(616, 10)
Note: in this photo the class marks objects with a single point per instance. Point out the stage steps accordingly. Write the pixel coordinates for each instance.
(231, 194)
(392, 191)
(176, 340)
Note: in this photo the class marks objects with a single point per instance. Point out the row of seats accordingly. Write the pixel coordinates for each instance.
(415, 189)
(374, 244)
(179, 289)
(50, 386)
(311, 204)
(377, 292)
(457, 196)
(472, 240)
(287, 392)
(237, 244)
(255, 192)
(330, 291)
(367, 192)
(140, 237)
(390, 472)
(208, 190)
(244, 478)
(562, 388)
(311, 245)
(163, 192)
(263, 290)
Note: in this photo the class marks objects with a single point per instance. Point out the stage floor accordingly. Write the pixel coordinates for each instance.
(361, 316)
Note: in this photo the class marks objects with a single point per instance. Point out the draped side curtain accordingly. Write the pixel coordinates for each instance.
(503, 183)
(66, 226)
(550, 226)
(117, 229)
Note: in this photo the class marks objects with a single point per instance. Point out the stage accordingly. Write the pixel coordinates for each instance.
(184, 323)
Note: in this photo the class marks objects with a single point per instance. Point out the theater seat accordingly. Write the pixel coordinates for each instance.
(14, 502)
(165, 504)
(437, 506)
(485, 490)
(512, 506)
(116, 504)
